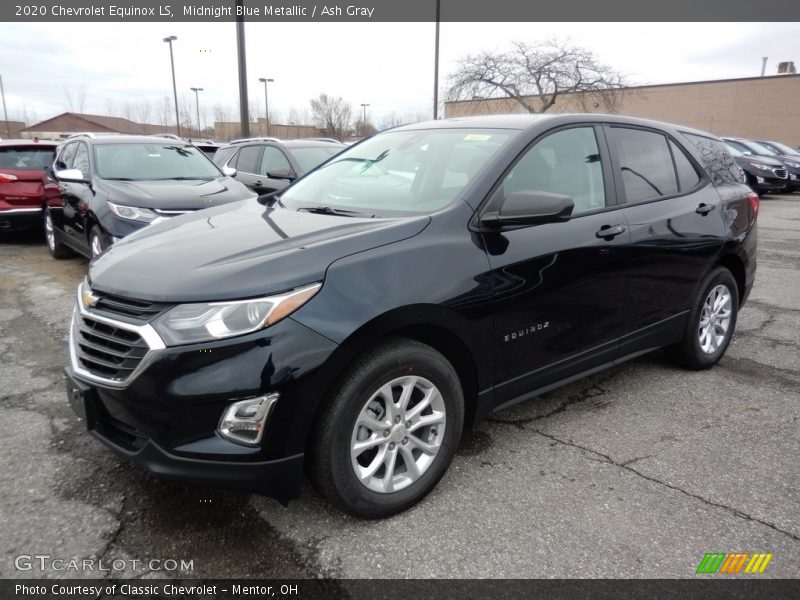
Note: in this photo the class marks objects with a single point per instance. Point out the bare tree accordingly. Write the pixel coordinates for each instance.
(110, 106)
(535, 76)
(332, 114)
(76, 101)
(143, 109)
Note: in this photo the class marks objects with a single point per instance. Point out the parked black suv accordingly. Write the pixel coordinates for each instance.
(420, 281)
(269, 164)
(790, 157)
(763, 175)
(111, 186)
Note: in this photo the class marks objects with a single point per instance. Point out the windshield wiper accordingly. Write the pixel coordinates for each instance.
(329, 210)
(120, 178)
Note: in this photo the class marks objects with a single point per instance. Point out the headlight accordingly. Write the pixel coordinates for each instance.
(201, 322)
(794, 165)
(761, 167)
(143, 215)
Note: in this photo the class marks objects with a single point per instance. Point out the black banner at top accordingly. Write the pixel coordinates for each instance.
(397, 10)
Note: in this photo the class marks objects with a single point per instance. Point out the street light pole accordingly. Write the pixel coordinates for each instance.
(264, 80)
(169, 40)
(241, 53)
(5, 112)
(197, 104)
(364, 120)
(436, 65)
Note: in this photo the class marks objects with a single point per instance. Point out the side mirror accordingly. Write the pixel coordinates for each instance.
(228, 171)
(529, 208)
(281, 174)
(71, 175)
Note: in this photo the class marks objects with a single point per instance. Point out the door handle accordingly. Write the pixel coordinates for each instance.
(704, 209)
(259, 183)
(609, 232)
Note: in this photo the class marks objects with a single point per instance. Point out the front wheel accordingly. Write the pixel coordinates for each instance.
(98, 241)
(388, 431)
(711, 322)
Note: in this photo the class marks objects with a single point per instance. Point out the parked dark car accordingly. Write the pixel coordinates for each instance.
(208, 146)
(763, 175)
(790, 157)
(754, 149)
(25, 187)
(268, 164)
(420, 281)
(112, 186)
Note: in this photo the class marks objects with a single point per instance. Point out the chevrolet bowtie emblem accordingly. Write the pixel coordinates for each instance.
(88, 298)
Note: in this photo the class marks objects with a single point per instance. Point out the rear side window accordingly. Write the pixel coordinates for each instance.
(688, 177)
(715, 158)
(67, 153)
(645, 161)
(248, 159)
(26, 157)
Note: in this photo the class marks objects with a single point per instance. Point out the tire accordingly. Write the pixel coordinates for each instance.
(57, 249)
(360, 396)
(698, 351)
(98, 241)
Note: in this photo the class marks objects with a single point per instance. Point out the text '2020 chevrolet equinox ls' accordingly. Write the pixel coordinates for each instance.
(355, 322)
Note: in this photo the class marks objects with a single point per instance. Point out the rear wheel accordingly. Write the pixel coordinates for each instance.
(711, 322)
(389, 430)
(57, 249)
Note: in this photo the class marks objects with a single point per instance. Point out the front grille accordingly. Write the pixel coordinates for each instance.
(139, 310)
(105, 350)
(780, 173)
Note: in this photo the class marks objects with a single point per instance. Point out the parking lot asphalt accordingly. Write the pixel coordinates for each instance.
(635, 472)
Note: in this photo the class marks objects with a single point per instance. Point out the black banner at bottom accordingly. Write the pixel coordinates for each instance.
(391, 589)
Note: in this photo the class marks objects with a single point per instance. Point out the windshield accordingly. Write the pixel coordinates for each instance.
(399, 172)
(25, 157)
(760, 149)
(139, 162)
(313, 156)
(784, 149)
(733, 151)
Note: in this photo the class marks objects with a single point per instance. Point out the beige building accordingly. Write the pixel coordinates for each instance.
(224, 131)
(753, 107)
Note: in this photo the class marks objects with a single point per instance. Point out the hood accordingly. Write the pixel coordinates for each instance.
(237, 251)
(761, 160)
(175, 194)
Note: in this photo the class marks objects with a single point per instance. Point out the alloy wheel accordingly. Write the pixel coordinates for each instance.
(398, 434)
(48, 231)
(715, 319)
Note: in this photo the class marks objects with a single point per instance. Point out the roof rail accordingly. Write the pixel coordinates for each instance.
(171, 136)
(88, 134)
(255, 139)
(322, 139)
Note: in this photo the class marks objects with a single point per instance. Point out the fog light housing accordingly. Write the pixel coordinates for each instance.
(759, 179)
(243, 422)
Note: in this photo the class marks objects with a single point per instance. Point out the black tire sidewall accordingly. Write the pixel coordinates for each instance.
(413, 360)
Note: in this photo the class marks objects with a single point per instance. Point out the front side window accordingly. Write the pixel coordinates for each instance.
(66, 156)
(81, 160)
(567, 163)
(645, 162)
(223, 155)
(141, 162)
(398, 172)
(313, 156)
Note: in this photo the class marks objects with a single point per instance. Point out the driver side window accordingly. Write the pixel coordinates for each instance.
(274, 160)
(566, 162)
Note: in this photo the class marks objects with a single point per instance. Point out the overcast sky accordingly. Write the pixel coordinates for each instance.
(388, 65)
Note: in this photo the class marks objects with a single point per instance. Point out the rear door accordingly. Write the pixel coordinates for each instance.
(559, 286)
(676, 229)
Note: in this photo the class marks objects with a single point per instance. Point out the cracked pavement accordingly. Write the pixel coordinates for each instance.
(635, 472)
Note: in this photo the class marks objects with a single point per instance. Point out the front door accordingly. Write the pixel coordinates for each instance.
(560, 285)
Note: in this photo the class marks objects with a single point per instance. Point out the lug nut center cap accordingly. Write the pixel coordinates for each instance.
(398, 433)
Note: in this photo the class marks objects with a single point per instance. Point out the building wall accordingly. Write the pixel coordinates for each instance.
(758, 107)
(224, 131)
(10, 130)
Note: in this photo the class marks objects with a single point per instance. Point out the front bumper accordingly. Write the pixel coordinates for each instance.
(165, 418)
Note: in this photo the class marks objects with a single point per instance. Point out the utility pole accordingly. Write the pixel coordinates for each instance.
(197, 104)
(436, 65)
(264, 80)
(5, 112)
(364, 121)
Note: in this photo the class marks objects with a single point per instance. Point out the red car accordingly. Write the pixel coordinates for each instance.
(25, 187)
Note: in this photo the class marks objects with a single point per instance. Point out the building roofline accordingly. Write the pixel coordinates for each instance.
(653, 85)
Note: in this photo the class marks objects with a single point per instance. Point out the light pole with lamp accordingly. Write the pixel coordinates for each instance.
(364, 120)
(197, 104)
(265, 81)
(169, 40)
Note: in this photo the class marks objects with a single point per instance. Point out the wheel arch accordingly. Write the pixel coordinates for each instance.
(735, 265)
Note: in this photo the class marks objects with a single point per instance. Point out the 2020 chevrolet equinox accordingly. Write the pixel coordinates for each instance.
(353, 323)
